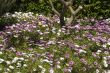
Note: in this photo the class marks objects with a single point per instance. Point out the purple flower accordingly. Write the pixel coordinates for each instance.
(1, 46)
(19, 53)
(83, 61)
(67, 55)
(30, 49)
(71, 63)
(95, 63)
(89, 36)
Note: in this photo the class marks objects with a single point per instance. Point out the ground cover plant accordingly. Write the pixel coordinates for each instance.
(40, 45)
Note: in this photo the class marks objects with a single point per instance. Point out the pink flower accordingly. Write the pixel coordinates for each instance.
(77, 26)
(30, 49)
(19, 53)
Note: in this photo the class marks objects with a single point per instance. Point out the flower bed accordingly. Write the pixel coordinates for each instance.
(38, 47)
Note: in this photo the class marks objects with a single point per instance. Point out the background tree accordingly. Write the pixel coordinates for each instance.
(65, 5)
(6, 5)
(91, 8)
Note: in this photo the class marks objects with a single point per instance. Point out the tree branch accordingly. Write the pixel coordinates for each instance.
(70, 19)
(53, 9)
(77, 10)
(66, 3)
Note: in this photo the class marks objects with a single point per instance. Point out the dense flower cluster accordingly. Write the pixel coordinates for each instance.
(31, 17)
(29, 47)
(108, 20)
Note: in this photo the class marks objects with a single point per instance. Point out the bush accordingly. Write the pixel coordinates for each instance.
(39, 6)
(42, 7)
(96, 8)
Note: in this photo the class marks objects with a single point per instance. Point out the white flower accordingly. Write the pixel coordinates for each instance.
(77, 45)
(1, 53)
(108, 20)
(36, 15)
(41, 38)
(30, 55)
(104, 58)
(53, 29)
(105, 63)
(0, 69)
(13, 49)
(43, 25)
(8, 62)
(42, 48)
(54, 32)
(26, 60)
(34, 69)
(1, 60)
(16, 12)
(43, 69)
(21, 59)
(15, 59)
(18, 72)
(97, 71)
(104, 45)
(8, 32)
(11, 67)
(15, 36)
(80, 7)
(40, 33)
(45, 60)
(51, 42)
(58, 21)
(99, 51)
(40, 66)
(58, 66)
(108, 43)
(39, 23)
(106, 52)
(18, 64)
(23, 53)
(8, 70)
(61, 58)
(25, 65)
(13, 15)
(80, 51)
(59, 30)
(51, 70)
(7, 14)
(58, 34)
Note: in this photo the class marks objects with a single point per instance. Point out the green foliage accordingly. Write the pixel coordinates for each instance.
(38, 7)
(4, 21)
(96, 8)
